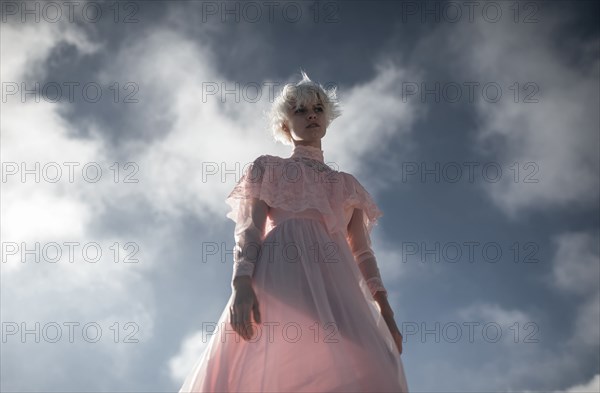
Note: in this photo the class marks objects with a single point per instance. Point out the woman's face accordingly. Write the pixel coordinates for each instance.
(307, 123)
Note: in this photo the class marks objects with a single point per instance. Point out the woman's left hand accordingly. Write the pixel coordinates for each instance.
(388, 316)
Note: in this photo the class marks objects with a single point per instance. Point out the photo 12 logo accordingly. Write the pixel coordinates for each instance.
(73, 252)
(69, 331)
(54, 172)
(69, 11)
(468, 171)
(469, 92)
(69, 91)
(471, 331)
(290, 332)
(439, 11)
(270, 11)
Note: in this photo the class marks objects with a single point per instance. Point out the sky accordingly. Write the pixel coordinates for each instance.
(474, 126)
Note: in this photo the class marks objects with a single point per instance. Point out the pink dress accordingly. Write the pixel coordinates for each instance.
(314, 275)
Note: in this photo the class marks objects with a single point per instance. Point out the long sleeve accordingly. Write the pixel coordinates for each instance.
(360, 244)
(249, 212)
(248, 235)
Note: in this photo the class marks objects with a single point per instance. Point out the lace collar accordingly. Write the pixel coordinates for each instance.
(311, 156)
(311, 152)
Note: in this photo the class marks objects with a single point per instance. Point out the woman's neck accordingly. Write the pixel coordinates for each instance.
(316, 144)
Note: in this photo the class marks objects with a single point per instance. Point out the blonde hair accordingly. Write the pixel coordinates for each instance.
(293, 96)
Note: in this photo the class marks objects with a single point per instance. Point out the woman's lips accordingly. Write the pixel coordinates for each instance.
(313, 125)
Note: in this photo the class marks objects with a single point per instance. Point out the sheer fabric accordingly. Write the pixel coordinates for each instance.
(303, 234)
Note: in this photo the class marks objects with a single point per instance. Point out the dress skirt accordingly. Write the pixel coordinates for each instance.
(321, 330)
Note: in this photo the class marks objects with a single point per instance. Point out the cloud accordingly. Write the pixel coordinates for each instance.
(559, 135)
(524, 357)
(527, 354)
(551, 131)
(592, 386)
(576, 266)
(575, 271)
(20, 59)
(182, 363)
(493, 312)
(39, 217)
(374, 115)
(29, 128)
(212, 134)
(185, 167)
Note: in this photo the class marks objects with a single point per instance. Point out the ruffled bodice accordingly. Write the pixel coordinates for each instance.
(303, 181)
(274, 189)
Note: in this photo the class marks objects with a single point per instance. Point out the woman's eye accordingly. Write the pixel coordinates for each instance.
(317, 109)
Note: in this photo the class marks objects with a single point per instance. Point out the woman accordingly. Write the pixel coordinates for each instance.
(308, 310)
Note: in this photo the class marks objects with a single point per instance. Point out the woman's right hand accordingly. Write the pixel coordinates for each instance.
(245, 303)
